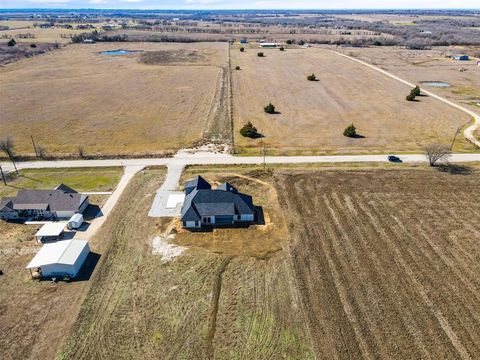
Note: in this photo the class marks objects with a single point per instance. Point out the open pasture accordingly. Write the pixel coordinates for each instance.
(313, 114)
(420, 66)
(386, 261)
(112, 104)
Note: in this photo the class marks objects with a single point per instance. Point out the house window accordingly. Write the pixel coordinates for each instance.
(207, 220)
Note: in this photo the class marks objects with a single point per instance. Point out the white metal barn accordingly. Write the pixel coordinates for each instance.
(61, 258)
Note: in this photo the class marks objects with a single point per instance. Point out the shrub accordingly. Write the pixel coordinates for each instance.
(242, 49)
(416, 91)
(311, 77)
(248, 130)
(237, 67)
(411, 96)
(12, 42)
(33, 45)
(260, 54)
(301, 42)
(269, 109)
(289, 42)
(282, 48)
(350, 131)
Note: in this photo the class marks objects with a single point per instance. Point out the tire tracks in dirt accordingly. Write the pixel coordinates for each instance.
(212, 318)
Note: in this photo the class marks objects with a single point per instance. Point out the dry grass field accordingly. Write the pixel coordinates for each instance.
(114, 104)
(387, 262)
(218, 300)
(34, 316)
(313, 115)
(40, 35)
(420, 66)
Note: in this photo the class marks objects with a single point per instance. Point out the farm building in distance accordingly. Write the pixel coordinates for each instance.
(222, 206)
(268, 45)
(61, 258)
(460, 57)
(59, 203)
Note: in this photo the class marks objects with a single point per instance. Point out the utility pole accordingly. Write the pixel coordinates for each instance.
(263, 153)
(3, 176)
(455, 137)
(34, 147)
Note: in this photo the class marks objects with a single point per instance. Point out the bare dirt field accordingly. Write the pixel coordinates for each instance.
(386, 262)
(114, 104)
(419, 66)
(34, 316)
(231, 300)
(313, 114)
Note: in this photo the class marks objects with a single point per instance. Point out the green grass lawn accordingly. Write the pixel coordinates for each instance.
(80, 179)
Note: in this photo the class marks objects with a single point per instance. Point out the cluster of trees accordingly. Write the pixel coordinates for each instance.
(248, 130)
(414, 93)
(350, 131)
(269, 109)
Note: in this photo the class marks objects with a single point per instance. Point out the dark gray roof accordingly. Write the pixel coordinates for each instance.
(227, 187)
(51, 200)
(66, 189)
(198, 183)
(6, 203)
(222, 201)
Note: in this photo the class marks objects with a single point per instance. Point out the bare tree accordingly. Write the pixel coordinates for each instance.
(6, 145)
(436, 152)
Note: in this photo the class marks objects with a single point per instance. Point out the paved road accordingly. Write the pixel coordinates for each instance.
(468, 133)
(184, 158)
(225, 159)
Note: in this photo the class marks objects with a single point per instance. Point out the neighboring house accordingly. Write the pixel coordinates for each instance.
(61, 258)
(222, 206)
(60, 203)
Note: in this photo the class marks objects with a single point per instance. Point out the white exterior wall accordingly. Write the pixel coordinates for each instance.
(191, 224)
(81, 259)
(64, 269)
(58, 270)
(246, 218)
(65, 214)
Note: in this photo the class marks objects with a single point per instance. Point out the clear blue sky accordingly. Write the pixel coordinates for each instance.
(245, 4)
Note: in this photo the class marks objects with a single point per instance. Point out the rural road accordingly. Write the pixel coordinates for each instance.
(207, 158)
(468, 133)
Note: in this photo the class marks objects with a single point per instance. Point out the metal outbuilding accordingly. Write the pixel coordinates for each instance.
(50, 232)
(61, 258)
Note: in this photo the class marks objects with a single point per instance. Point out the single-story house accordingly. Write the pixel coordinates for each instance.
(61, 258)
(60, 203)
(460, 57)
(223, 206)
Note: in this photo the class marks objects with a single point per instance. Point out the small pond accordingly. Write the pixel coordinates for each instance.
(118, 52)
(438, 84)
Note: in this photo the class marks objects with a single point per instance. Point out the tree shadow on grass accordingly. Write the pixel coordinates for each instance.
(454, 169)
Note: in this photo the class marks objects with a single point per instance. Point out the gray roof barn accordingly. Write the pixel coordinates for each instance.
(224, 201)
(62, 198)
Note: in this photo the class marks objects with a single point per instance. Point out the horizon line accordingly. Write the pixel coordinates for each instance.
(228, 9)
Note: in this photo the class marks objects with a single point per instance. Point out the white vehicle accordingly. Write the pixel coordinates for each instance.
(75, 222)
